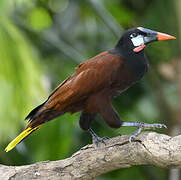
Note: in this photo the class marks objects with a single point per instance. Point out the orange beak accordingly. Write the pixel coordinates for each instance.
(152, 36)
(163, 36)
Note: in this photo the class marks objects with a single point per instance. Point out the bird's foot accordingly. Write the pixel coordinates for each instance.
(96, 139)
(141, 126)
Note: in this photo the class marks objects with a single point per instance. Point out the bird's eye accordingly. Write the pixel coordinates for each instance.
(134, 35)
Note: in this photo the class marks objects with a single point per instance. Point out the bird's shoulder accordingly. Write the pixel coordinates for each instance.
(101, 61)
(89, 77)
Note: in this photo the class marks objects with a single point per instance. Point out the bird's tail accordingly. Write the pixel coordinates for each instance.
(21, 137)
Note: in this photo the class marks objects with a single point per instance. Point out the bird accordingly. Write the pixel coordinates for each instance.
(95, 83)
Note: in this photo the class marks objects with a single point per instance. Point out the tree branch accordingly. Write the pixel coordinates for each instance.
(89, 162)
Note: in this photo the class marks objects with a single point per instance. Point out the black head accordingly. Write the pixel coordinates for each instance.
(135, 40)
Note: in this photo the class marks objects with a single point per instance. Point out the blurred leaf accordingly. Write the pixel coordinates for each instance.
(57, 5)
(39, 19)
(20, 79)
(122, 14)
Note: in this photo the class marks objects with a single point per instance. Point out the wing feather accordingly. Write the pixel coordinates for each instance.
(90, 77)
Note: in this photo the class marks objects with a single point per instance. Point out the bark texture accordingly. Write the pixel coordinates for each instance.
(89, 162)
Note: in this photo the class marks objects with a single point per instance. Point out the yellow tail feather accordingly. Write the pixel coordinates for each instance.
(19, 138)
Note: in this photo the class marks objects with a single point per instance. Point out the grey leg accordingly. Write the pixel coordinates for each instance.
(96, 139)
(141, 126)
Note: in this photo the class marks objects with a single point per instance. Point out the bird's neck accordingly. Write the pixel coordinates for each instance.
(137, 61)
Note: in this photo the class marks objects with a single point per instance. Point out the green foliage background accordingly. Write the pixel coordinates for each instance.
(42, 41)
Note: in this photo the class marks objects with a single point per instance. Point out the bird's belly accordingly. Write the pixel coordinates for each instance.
(122, 87)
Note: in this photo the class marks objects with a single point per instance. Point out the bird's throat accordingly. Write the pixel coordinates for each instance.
(136, 61)
(139, 48)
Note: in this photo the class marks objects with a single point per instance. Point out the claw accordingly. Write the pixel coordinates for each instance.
(96, 139)
(165, 126)
(131, 137)
(105, 138)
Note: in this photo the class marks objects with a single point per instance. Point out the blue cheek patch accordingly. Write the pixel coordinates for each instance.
(138, 40)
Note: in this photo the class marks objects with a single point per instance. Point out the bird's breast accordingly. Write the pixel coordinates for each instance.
(128, 75)
(139, 66)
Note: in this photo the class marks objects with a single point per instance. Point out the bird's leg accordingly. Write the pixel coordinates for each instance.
(96, 139)
(141, 126)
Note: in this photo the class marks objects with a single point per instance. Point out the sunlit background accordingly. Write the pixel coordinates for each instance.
(41, 43)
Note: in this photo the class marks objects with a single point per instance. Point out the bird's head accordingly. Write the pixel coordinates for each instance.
(136, 39)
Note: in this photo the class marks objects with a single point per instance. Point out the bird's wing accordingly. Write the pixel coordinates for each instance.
(90, 77)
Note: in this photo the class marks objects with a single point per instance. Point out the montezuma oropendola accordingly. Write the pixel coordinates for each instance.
(95, 82)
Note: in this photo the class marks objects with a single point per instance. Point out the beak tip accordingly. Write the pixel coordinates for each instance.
(163, 36)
